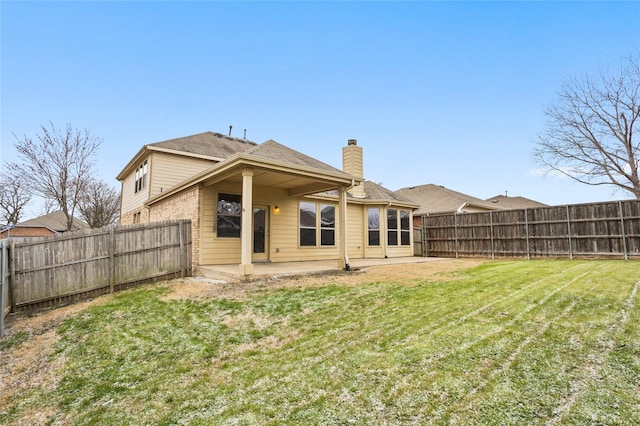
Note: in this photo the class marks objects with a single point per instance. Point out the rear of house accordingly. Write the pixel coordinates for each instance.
(264, 202)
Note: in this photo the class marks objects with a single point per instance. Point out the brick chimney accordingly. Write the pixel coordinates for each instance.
(352, 164)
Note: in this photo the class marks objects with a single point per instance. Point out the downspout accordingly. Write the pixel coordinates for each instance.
(386, 241)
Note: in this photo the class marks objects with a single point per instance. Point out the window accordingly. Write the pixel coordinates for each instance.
(307, 224)
(392, 227)
(327, 225)
(229, 215)
(374, 226)
(141, 176)
(395, 227)
(311, 224)
(405, 228)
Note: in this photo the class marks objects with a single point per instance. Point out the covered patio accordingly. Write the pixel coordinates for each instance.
(282, 269)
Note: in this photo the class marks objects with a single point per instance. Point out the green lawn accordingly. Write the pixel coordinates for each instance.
(515, 342)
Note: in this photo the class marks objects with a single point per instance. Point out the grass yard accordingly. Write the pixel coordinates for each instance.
(513, 342)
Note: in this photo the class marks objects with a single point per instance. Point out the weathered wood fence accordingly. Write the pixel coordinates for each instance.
(609, 229)
(52, 270)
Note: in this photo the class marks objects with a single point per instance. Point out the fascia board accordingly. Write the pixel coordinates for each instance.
(147, 148)
(131, 164)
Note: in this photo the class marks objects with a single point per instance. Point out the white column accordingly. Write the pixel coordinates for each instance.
(246, 267)
(343, 261)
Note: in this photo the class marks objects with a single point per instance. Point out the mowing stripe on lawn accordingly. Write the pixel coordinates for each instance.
(595, 365)
(511, 359)
(443, 409)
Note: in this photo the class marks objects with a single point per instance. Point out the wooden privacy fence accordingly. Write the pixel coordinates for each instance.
(51, 270)
(609, 229)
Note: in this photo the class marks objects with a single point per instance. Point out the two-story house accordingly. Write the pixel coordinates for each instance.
(253, 202)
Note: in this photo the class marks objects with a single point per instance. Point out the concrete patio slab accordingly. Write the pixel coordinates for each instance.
(280, 269)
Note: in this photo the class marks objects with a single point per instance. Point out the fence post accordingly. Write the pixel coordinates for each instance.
(12, 275)
(493, 249)
(624, 238)
(3, 285)
(569, 232)
(455, 224)
(526, 232)
(112, 259)
(425, 249)
(183, 256)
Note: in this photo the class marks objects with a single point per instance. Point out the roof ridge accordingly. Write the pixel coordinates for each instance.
(208, 132)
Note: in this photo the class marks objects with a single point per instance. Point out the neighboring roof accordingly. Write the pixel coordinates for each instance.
(56, 221)
(273, 150)
(208, 145)
(436, 199)
(507, 203)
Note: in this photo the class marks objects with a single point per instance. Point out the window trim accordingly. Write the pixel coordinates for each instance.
(320, 228)
(370, 229)
(230, 215)
(141, 173)
(402, 235)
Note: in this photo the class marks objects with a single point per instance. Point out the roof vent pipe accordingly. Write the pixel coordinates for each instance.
(245, 133)
(230, 127)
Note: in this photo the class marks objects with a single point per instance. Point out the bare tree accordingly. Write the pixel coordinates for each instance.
(590, 132)
(99, 205)
(57, 165)
(49, 206)
(14, 197)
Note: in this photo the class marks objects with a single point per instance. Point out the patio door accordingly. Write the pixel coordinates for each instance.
(260, 233)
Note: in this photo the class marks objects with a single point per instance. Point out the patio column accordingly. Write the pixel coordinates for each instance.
(246, 267)
(343, 261)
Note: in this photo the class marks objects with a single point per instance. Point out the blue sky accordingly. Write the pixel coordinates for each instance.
(450, 93)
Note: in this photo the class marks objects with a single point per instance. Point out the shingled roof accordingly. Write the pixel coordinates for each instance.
(273, 150)
(507, 203)
(375, 192)
(209, 144)
(436, 199)
(56, 221)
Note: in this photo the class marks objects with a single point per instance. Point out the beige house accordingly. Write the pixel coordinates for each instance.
(265, 202)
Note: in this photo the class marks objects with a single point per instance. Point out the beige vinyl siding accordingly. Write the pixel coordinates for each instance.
(168, 170)
(214, 250)
(400, 251)
(130, 199)
(355, 229)
(285, 234)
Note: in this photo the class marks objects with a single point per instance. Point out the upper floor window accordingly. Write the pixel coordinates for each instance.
(229, 215)
(312, 224)
(141, 176)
